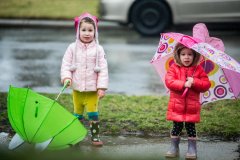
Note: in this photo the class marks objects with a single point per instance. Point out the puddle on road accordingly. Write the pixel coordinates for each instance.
(155, 148)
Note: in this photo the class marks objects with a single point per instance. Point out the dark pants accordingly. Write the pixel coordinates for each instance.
(178, 126)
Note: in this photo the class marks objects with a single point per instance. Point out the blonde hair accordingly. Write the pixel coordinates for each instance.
(178, 48)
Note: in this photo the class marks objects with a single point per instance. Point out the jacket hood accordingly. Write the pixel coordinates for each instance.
(77, 21)
(176, 56)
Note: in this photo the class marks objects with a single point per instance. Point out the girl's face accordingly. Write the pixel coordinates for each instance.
(186, 57)
(86, 32)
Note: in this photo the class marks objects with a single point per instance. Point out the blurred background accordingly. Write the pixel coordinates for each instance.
(35, 34)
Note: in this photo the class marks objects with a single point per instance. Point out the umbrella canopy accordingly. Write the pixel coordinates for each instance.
(37, 119)
(223, 71)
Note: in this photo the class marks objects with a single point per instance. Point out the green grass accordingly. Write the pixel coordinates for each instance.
(47, 9)
(145, 115)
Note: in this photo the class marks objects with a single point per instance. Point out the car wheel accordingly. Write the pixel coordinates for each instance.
(150, 17)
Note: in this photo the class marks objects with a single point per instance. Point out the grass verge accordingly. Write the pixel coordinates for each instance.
(47, 9)
(145, 116)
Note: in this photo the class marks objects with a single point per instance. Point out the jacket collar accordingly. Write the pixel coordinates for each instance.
(86, 45)
(186, 68)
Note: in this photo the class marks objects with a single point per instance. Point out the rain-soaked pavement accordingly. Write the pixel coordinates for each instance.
(31, 57)
(155, 148)
(126, 148)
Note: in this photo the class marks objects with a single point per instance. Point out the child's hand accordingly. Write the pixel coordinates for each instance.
(190, 79)
(101, 93)
(66, 80)
(188, 84)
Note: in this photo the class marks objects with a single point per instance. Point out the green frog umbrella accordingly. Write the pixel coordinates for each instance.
(41, 121)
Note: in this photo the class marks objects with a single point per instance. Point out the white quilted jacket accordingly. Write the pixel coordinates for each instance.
(84, 78)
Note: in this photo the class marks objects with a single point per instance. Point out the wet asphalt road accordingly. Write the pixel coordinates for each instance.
(155, 148)
(128, 148)
(31, 57)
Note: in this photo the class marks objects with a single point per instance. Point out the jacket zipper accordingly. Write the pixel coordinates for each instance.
(185, 98)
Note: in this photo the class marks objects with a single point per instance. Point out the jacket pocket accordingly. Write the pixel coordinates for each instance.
(193, 108)
(178, 106)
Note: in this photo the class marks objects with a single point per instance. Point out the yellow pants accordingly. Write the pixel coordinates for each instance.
(85, 101)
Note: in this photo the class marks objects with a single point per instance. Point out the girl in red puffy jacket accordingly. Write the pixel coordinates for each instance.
(185, 110)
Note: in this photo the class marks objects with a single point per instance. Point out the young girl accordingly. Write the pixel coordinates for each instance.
(84, 66)
(185, 110)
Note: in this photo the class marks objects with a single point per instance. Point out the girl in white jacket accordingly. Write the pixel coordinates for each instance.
(84, 65)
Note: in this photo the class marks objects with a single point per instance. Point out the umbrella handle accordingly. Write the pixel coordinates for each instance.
(65, 85)
(63, 88)
(185, 92)
(186, 89)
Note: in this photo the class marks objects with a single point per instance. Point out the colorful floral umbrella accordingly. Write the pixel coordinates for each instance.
(39, 120)
(223, 70)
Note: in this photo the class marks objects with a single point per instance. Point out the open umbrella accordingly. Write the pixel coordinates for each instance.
(41, 121)
(223, 71)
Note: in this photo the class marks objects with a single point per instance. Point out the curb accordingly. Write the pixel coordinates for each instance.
(48, 23)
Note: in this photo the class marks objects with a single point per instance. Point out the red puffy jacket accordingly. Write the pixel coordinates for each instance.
(185, 109)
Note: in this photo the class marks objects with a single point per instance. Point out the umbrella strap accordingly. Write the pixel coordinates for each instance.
(188, 37)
